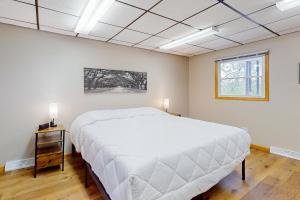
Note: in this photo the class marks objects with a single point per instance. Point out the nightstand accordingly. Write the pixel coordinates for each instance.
(49, 148)
(175, 114)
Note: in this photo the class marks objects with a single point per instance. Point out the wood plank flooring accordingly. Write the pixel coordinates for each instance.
(268, 177)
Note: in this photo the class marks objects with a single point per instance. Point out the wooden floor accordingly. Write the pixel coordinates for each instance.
(268, 177)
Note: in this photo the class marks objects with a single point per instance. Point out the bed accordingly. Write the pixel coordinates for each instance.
(146, 154)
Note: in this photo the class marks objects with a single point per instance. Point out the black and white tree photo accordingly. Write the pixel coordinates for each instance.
(114, 81)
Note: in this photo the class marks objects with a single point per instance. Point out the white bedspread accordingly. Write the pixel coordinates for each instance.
(146, 154)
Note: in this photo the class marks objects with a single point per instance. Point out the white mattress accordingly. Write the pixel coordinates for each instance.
(146, 154)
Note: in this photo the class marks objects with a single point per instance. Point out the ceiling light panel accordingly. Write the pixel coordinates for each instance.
(120, 14)
(212, 17)
(91, 14)
(155, 42)
(180, 10)
(17, 11)
(287, 4)
(145, 4)
(73, 7)
(152, 24)
(273, 14)
(236, 26)
(58, 31)
(251, 35)
(249, 6)
(287, 25)
(177, 31)
(57, 20)
(190, 38)
(104, 30)
(219, 44)
(131, 36)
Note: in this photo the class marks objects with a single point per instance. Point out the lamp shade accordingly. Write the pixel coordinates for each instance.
(166, 104)
(53, 110)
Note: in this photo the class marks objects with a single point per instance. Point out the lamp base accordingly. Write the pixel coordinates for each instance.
(52, 124)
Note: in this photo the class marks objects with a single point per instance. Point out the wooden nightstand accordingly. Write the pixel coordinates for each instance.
(49, 148)
(175, 114)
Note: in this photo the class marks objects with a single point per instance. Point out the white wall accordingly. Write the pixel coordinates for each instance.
(37, 68)
(274, 123)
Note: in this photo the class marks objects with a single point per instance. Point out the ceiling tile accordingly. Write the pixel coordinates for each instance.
(249, 6)
(29, 1)
(17, 11)
(155, 42)
(194, 50)
(151, 23)
(212, 17)
(131, 36)
(57, 20)
(293, 30)
(18, 23)
(204, 40)
(182, 54)
(121, 15)
(104, 30)
(236, 26)
(203, 51)
(251, 35)
(59, 31)
(273, 14)
(285, 26)
(164, 51)
(177, 32)
(144, 47)
(181, 47)
(92, 37)
(219, 44)
(180, 10)
(121, 42)
(145, 4)
(73, 7)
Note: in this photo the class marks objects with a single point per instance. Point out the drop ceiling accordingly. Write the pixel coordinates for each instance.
(149, 24)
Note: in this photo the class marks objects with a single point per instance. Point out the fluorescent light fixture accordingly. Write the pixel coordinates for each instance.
(287, 4)
(190, 38)
(93, 11)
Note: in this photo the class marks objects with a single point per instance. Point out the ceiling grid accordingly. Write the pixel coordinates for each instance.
(152, 23)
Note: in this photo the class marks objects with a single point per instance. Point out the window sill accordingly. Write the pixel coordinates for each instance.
(243, 98)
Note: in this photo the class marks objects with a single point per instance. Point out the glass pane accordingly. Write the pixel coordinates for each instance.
(232, 69)
(256, 87)
(233, 87)
(256, 66)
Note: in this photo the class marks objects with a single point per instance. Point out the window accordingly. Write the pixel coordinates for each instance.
(243, 78)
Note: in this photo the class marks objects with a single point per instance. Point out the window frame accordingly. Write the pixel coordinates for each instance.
(266, 82)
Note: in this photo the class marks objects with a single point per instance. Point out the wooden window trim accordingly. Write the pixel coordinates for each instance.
(266, 98)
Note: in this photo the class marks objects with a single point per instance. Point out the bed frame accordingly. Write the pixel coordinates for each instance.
(89, 171)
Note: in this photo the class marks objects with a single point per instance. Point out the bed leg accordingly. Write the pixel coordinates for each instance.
(243, 170)
(86, 174)
(73, 150)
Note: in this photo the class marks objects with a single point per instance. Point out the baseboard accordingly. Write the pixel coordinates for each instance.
(260, 148)
(2, 167)
(19, 164)
(285, 152)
